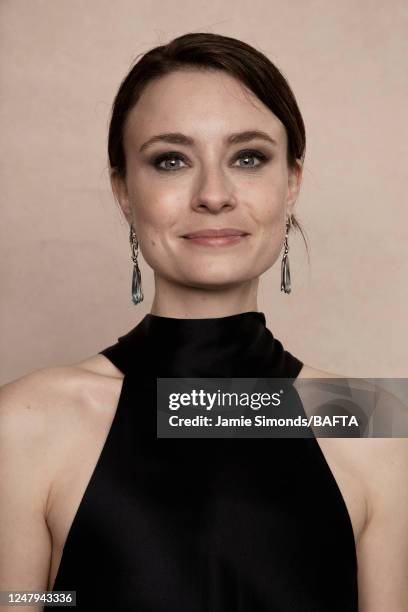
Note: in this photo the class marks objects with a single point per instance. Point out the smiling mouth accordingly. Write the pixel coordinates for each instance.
(227, 239)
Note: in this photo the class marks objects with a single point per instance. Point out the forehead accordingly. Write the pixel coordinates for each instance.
(200, 103)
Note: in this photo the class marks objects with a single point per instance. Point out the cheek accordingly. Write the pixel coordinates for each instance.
(266, 199)
(267, 211)
(154, 211)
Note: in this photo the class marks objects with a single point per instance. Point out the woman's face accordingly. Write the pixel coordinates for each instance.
(200, 180)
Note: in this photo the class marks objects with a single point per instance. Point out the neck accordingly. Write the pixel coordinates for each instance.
(182, 301)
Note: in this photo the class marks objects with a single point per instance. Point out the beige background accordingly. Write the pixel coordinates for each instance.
(65, 265)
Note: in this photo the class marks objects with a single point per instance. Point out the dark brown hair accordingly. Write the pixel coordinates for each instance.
(210, 51)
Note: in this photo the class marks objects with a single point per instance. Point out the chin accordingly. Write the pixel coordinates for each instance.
(216, 279)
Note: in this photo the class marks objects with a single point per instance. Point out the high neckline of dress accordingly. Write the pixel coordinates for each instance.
(234, 319)
(206, 347)
(237, 345)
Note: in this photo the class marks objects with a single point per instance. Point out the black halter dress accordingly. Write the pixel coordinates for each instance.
(206, 525)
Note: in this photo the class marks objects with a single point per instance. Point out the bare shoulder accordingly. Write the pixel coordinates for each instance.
(47, 418)
(309, 372)
(385, 460)
(99, 364)
(44, 407)
(378, 466)
(30, 402)
(50, 390)
(374, 472)
(368, 454)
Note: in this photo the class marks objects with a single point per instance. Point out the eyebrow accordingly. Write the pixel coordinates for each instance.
(236, 137)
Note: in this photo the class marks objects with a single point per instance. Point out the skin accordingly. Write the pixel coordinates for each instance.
(53, 422)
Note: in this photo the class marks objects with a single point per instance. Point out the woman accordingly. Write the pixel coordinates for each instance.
(206, 149)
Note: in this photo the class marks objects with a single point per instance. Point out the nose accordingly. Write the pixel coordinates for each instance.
(214, 191)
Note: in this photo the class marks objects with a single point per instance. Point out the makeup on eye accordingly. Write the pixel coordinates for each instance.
(175, 155)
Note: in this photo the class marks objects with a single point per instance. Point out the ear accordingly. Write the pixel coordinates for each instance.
(294, 183)
(120, 191)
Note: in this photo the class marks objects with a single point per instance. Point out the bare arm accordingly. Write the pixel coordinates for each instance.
(383, 548)
(25, 541)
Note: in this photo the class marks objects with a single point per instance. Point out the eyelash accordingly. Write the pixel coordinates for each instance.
(174, 155)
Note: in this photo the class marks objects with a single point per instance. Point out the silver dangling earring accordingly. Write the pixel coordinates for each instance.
(137, 293)
(285, 270)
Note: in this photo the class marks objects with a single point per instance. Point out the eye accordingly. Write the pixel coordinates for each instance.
(251, 155)
(169, 162)
(168, 157)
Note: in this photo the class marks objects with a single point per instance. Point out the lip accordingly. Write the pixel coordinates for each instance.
(216, 233)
